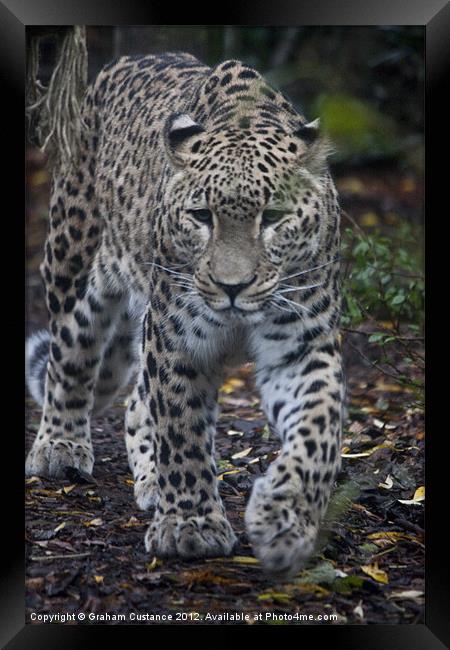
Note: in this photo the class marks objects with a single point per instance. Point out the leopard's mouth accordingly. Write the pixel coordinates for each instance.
(245, 314)
(233, 309)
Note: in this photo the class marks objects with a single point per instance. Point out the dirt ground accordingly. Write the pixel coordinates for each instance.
(84, 537)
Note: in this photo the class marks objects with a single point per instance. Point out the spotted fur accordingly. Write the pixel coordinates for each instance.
(199, 230)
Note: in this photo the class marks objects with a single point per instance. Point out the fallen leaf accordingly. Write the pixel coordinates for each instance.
(35, 583)
(46, 493)
(392, 388)
(276, 597)
(358, 611)
(94, 522)
(419, 496)
(388, 483)
(309, 588)
(376, 573)
(132, 521)
(347, 584)
(323, 573)
(238, 559)
(95, 499)
(234, 402)
(231, 385)
(231, 471)
(156, 562)
(385, 445)
(98, 579)
(223, 465)
(201, 576)
(244, 559)
(241, 454)
(407, 595)
(356, 427)
(358, 506)
(390, 537)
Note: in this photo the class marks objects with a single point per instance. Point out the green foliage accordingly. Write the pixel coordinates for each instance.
(341, 502)
(346, 585)
(322, 573)
(383, 286)
(385, 280)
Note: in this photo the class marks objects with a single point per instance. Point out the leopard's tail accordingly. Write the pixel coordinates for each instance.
(37, 353)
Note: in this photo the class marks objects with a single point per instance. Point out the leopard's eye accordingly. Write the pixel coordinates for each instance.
(202, 214)
(270, 217)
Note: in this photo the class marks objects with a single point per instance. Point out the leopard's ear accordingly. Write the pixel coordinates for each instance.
(179, 132)
(309, 132)
(316, 147)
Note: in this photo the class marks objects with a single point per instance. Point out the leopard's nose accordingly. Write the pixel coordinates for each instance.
(232, 290)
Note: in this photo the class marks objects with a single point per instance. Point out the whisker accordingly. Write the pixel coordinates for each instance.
(175, 266)
(279, 307)
(293, 305)
(296, 305)
(314, 268)
(184, 285)
(292, 288)
(171, 271)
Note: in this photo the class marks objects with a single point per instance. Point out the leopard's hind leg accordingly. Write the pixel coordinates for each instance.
(119, 360)
(141, 447)
(63, 365)
(139, 438)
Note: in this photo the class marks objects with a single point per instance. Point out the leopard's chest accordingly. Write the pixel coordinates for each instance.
(213, 344)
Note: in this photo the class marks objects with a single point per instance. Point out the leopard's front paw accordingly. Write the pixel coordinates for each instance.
(51, 457)
(190, 537)
(279, 527)
(146, 492)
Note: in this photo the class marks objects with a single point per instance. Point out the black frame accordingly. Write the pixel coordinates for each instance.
(434, 15)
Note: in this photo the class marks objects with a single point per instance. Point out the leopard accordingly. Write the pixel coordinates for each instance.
(197, 229)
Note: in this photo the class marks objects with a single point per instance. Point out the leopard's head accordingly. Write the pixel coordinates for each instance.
(246, 207)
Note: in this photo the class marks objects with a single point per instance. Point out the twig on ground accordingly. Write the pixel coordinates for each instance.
(43, 558)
